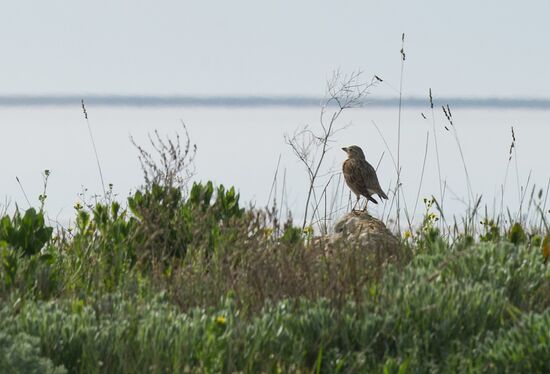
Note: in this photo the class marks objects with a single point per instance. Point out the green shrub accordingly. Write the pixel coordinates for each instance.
(10, 263)
(524, 348)
(516, 234)
(22, 237)
(169, 224)
(102, 249)
(21, 354)
(491, 231)
(28, 232)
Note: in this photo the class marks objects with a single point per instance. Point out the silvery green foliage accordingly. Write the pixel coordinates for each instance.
(21, 354)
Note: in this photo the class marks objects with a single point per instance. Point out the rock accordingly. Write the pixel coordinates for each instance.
(362, 231)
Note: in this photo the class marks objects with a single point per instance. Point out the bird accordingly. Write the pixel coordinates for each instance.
(360, 176)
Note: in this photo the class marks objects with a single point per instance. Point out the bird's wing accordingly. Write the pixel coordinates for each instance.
(354, 177)
(371, 180)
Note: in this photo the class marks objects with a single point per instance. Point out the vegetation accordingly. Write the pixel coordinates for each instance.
(194, 282)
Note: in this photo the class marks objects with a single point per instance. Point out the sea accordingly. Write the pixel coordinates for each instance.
(495, 158)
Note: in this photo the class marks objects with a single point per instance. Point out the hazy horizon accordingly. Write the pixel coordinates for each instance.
(122, 100)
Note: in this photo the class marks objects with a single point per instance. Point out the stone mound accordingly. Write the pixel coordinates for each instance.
(362, 231)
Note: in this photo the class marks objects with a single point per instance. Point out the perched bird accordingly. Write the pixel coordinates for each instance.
(360, 176)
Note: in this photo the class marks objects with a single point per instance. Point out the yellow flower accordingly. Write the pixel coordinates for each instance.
(432, 216)
(221, 320)
(407, 234)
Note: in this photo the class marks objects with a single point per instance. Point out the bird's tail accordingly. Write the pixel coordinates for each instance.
(372, 199)
(383, 195)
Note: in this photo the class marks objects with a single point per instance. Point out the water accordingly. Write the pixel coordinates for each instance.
(242, 146)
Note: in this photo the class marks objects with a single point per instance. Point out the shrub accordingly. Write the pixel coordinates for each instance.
(524, 348)
(28, 232)
(169, 223)
(21, 354)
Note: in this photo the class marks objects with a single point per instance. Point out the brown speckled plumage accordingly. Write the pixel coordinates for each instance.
(360, 176)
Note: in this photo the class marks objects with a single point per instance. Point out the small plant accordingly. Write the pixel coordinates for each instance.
(428, 233)
(27, 232)
(491, 231)
(516, 234)
(10, 262)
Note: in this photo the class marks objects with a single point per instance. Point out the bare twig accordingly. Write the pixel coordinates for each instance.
(343, 92)
(175, 167)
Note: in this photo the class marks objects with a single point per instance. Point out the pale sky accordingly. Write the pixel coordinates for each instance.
(248, 47)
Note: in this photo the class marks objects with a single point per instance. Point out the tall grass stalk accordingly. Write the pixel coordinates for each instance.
(283, 198)
(543, 209)
(94, 147)
(437, 158)
(503, 186)
(522, 198)
(530, 204)
(421, 173)
(273, 190)
(449, 116)
(23, 191)
(520, 190)
(398, 188)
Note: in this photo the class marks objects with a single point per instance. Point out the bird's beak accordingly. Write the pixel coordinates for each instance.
(345, 149)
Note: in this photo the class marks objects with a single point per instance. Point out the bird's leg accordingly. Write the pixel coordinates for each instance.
(356, 202)
(365, 208)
